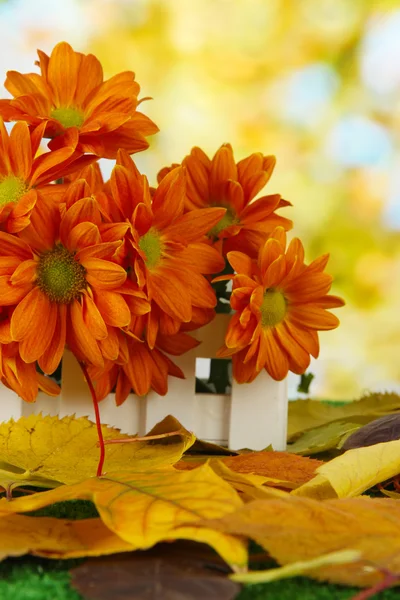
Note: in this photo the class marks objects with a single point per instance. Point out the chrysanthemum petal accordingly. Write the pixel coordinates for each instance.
(307, 287)
(35, 304)
(236, 335)
(194, 224)
(85, 210)
(109, 346)
(113, 308)
(47, 385)
(93, 318)
(12, 294)
(307, 338)
(244, 372)
(271, 250)
(176, 344)
(103, 274)
(260, 209)
(329, 301)
(254, 172)
(51, 358)
(90, 76)
(241, 263)
(205, 258)
(21, 150)
(83, 235)
(223, 167)
(63, 74)
(310, 315)
(105, 250)
(11, 245)
(198, 168)
(169, 198)
(240, 297)
(139, 369)
(38, 338)
(275, 272)
(80, 338)
(25, 273)
(295, 351)
(167, 291)
(276, 362)
(122, 389)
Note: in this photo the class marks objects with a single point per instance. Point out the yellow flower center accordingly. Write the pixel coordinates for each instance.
(60, 276)
(68, 116)
(227, 220)
(11, 189)
(152, 247)
(273, 308)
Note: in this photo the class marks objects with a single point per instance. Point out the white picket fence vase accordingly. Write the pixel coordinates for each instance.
(253, 416)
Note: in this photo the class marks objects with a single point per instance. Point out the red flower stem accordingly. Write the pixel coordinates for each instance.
(98, 421)
(387, 582)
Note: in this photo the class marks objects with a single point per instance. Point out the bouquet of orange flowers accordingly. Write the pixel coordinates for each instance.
(120, 272)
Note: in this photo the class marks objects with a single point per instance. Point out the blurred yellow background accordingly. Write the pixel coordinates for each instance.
(315, 82)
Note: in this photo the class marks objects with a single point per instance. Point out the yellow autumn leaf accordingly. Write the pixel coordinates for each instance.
(353, 472)
(144, 508)
(297, 568)
(66, 450)
(57, 538)
(306, 414)
(294, 529)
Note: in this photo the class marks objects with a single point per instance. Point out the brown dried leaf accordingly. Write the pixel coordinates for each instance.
(385, 429)
(167, 572)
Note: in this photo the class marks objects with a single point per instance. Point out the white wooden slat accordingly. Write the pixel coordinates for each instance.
(180, 400)
(212, 417)
(10, 404)
(47, 405)
(259, 413)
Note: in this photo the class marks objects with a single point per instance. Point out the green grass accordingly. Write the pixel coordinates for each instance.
(31, 578)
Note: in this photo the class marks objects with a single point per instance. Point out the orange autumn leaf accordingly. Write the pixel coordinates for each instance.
(296, 529)
(57, 538)
(281, 466)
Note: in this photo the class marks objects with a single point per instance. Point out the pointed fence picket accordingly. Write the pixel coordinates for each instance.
(253, 416)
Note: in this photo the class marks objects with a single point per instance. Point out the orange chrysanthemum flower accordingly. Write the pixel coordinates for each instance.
(64, 287)
(143, 368)
(23, 174)
(280, 305)
(221, 182)
(21, 377)
(167, 253)
(71, 92)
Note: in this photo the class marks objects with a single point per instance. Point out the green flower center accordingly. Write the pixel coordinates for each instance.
(152, 247)
(68, 116)
(227, 220)
(60, 276)
(11, 189)
(273, 308)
